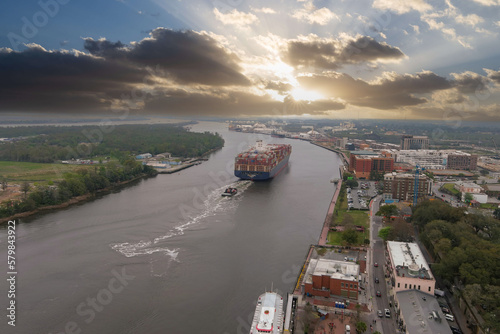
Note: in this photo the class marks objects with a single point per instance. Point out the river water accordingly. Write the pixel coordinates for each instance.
(168, 254)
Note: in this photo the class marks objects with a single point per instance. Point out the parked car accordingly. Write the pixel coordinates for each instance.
(387, 313)
(376, 264)
(445, 310)
(376, 280)
(379, 294)
(379, 313)
(449, 317)
(455, 330)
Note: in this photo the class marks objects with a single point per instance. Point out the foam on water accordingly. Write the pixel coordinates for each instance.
(212, 205)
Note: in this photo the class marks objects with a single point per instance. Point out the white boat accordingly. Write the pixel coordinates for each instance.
(268, 316)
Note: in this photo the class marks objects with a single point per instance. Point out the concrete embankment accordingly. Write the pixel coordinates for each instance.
(342, 154)
(326, 225)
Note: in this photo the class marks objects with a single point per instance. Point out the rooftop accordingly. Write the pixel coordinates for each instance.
(417, 311)
(343, 270)
(468, 185)
(409, 260)
(364, 153)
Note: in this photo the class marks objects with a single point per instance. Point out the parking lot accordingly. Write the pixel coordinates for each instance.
(359, 198)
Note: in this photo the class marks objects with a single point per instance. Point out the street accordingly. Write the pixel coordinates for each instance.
(384, 325)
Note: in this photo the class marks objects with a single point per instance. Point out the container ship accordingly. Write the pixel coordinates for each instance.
(262, 162)
(268, 316)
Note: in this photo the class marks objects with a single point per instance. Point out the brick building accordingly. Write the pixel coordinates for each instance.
(362, 165)
(332, 277)
(462, 161)
(401, 187)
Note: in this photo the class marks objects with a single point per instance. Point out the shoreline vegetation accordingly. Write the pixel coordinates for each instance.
(70, 202)
(85, 182)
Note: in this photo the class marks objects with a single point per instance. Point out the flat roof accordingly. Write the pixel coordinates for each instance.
(344, 270)
(405, 254)
(364, 153)
(417, 310)
(450, 172)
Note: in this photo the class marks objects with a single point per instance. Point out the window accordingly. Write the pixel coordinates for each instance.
(429, 289)
(350, 285)
(355, 286)
(406, 286)
(409, 287)
(419, 287)
(399, 284)
(341, 285)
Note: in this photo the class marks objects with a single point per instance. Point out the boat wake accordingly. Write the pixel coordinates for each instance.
(213, 204)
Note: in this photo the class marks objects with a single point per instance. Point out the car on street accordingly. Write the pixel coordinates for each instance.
(379, 294)
(376, 280)
(455, 330)
(379, 313)
(449, 317)
(387, 313)
(445, 310)
(376, 264)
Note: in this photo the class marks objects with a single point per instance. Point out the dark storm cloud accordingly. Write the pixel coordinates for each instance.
(332, 54)
(187, 57)
(36, 79)
(493, 75)
(391, 92)
(222, 103)
(470, 82)
(62, 81)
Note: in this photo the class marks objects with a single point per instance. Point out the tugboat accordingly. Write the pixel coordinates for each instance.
(230, 192)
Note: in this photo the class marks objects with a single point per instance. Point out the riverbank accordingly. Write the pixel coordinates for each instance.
(72, 201)
(339, 152)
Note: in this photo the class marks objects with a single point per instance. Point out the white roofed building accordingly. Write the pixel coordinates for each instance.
(408, 268)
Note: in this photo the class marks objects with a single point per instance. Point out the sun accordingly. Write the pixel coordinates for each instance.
(305, 95)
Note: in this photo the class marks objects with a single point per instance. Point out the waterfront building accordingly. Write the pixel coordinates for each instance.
(326, 277)
(362, 163)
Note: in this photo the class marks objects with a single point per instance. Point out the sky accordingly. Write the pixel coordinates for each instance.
(381, 59)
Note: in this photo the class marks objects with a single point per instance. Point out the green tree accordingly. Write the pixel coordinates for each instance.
(350, 236)
(401, 231)
(468, 197)
(384, 232)
(25, 187)
(496, 213)
(361, 327)
(351, 183)
(387, 211)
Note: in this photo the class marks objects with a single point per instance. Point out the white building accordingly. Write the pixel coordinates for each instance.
(429, 159)
(408, 268)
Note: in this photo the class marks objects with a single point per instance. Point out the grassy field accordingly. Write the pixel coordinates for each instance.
(352, 217)
(16, 172)
(451, 189)
(490, 206)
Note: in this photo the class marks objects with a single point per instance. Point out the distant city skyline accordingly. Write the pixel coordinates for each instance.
(391, 59)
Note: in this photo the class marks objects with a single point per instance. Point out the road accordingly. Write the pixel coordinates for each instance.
(444, 196)
(384, 325)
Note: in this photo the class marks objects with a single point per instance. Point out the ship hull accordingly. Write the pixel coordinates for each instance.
(261, 176)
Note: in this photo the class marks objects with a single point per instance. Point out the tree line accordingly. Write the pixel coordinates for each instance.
(83, 181)
(50, 144)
